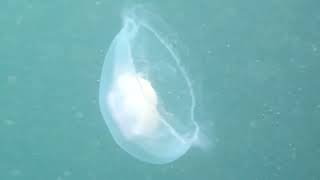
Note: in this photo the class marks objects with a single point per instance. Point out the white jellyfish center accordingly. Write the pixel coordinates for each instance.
(139, 103)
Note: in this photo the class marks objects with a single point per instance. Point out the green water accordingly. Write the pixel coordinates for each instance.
(254, 66)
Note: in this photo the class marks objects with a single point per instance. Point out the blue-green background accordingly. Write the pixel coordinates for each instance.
(255, 67)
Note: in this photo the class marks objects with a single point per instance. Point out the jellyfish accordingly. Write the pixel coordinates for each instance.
(146, 96)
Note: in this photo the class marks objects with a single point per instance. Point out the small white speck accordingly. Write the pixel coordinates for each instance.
(211, 124)
(12, 79)
(276, 123)
(292, 151)
(15, 172)
(73, 108)
(19, 20)
(302, 68)
(9, 122)
(292, 60)
(67, 173)
(314, 48)
(93, 101)
(253, 124)
(79, 115)
(293, 155)
(29, 6)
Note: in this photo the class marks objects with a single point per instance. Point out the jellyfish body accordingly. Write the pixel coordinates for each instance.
(146, 97)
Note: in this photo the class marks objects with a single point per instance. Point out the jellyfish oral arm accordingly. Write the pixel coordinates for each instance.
(133, 102)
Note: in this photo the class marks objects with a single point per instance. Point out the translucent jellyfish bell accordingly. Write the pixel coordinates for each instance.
(146, 97)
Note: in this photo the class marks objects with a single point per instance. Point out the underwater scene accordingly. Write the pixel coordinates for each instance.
(154, 90)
